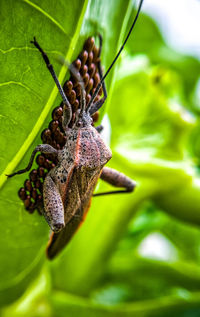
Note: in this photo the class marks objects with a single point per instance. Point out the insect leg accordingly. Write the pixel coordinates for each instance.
(53, 206)
(116, 179)
(97, 105)
(43, 148)
(68, 110)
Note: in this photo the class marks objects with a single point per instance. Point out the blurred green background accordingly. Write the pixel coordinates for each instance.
(136, 254)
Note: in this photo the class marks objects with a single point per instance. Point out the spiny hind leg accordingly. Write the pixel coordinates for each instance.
(116, 179)
(53, 206)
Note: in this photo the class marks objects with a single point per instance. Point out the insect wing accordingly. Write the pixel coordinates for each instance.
(77, 204)
(59, 240)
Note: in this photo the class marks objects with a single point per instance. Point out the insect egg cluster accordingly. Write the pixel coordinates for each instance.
(87, 66)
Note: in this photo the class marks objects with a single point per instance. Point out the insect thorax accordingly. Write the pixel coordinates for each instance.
(84, 149)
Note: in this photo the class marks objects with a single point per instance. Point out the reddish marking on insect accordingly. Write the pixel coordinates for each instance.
(77, 158)
(64, 186)
(85, 213)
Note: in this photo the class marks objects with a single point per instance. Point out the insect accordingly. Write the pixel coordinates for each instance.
(69, 186)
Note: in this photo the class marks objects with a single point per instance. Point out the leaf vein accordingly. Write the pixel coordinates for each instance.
(11, 49)
(47, 15)
(21, 85)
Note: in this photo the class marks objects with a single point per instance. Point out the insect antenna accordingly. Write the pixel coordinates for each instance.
(115, 59)
(66, 102)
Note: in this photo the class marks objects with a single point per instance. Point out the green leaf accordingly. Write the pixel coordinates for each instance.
(164, 306)
(150, 132)
(28, 95)
(150, 129)
(148, 40)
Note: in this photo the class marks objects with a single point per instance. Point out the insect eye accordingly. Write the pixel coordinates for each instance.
(79, 124)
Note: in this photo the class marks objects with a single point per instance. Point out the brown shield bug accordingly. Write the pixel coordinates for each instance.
(68, 187)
